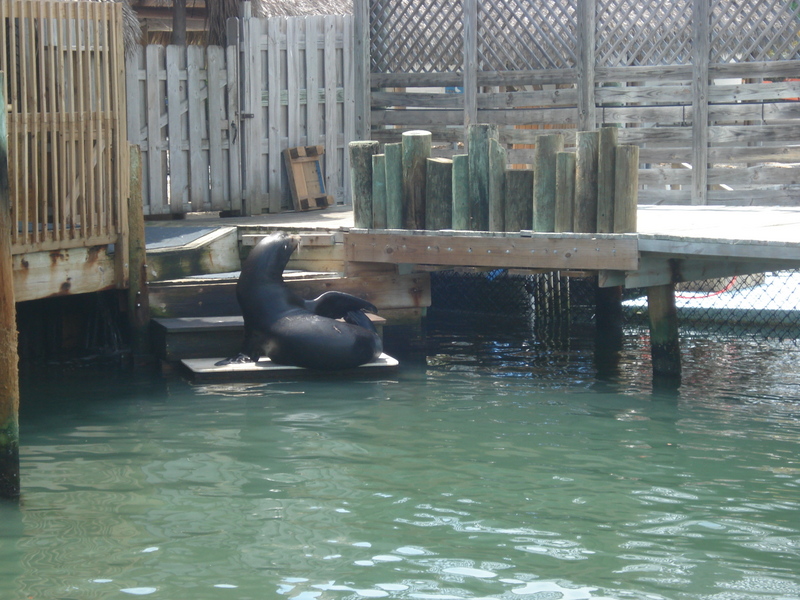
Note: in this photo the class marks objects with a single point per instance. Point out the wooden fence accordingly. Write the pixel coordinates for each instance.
(706, 88)
(67, 150)
(212, 122)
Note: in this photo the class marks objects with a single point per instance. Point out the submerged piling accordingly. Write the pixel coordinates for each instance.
(9, 359)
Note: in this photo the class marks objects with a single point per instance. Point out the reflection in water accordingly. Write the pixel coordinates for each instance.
(494, 466)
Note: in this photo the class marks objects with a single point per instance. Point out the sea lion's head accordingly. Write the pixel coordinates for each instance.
(269, 257)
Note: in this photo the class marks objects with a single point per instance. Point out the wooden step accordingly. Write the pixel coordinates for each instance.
(174, 339)
(204, 369)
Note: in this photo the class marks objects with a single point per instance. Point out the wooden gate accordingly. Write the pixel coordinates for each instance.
(66, 140)
(212, 122)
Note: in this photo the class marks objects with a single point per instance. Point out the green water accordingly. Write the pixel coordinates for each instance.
(492, 467)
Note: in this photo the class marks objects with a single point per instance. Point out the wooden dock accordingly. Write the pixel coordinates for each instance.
(391, 268)
(705, 241)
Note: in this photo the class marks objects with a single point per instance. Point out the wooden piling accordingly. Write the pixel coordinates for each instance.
(626, 188)
(394, 185)
(460, 192)
(664, 343)
(586, 155)
(416, 151)
(439, 188)
(9, 359)
(565, 191)
(519, 199)
(606, 162)
(479, 151)
(361, 181)
(497, 185)
(138, 293)
(544, 181)
(379, 191)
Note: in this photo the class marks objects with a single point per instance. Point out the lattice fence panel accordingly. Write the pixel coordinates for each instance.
(416, 36)
(657, 32)
(518, 35)
(755, 31)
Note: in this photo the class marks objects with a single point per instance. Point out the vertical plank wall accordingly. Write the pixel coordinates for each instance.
(212, 122)
(66, 106)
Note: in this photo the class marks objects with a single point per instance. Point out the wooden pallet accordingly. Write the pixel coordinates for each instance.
(305, 177)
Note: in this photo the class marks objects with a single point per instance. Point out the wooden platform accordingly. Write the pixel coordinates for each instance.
(204, 369)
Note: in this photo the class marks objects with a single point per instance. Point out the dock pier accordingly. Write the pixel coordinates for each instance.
(614, 242)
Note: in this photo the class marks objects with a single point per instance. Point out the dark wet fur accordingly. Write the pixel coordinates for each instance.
(293, 331)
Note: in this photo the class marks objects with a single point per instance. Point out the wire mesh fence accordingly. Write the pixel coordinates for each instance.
(764, 305)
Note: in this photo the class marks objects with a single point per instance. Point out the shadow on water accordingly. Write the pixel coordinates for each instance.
(505, 459)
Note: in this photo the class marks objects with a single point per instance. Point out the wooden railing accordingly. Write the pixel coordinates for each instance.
(67, 148)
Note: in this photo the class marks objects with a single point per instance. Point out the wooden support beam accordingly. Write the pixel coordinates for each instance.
(9, 359)
(664, 342)
(538, 251)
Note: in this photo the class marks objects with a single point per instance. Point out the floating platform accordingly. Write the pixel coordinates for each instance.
(204, 369)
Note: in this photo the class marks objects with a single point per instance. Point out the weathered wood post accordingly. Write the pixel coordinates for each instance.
(519, 194)
(497, 185)
(608, 300)
(544, 181)
(586, 156)
(664, 344)
(9, 359)
(379, 191)
(439, 187)
(138, 296)
(394, 185)
(361, 181)
(565, 191)
(606, 162)
(479, 137)
(416, 151)
(460, 192)
(626, 185)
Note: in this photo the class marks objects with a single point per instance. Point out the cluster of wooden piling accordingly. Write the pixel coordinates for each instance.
(590, 190)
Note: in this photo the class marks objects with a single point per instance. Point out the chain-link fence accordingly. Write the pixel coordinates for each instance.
(765, 305)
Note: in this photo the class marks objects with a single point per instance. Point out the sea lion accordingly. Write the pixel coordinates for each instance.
(292, 331)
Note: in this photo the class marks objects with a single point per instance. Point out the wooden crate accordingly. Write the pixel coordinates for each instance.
(305, 177)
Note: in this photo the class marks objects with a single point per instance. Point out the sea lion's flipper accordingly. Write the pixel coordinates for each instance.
(335, 305)
(239, 359)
